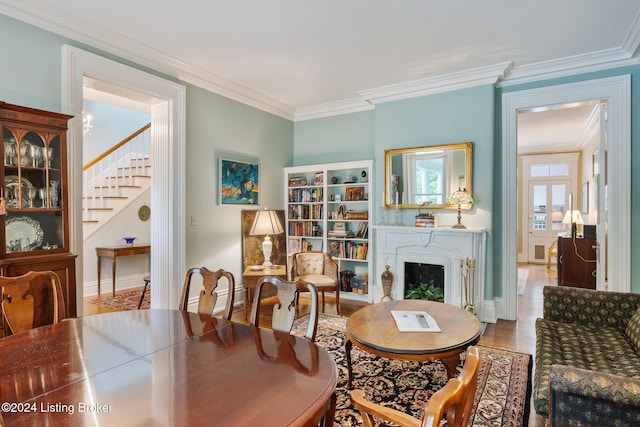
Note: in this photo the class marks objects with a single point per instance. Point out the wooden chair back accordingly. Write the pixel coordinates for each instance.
(209, 295)
(32, 300)
(284, 311)
(455, 400)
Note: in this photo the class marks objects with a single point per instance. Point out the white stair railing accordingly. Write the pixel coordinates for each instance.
(104, 176)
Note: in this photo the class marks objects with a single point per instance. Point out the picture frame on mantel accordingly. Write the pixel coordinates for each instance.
(239, 182)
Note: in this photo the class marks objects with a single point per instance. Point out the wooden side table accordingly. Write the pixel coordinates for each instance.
(114, 252)
(250, 280)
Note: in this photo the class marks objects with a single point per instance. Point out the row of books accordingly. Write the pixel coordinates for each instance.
(340, 249)
(308, 229)
(298, 195)
(305, 212)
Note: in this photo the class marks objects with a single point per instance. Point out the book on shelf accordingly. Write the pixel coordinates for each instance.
(341, 234)
(414, 321)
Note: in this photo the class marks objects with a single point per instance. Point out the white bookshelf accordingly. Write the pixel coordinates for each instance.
(315, 198)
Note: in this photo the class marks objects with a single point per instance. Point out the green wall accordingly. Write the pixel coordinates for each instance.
(31, 75)
(334, 139)
(459, 116)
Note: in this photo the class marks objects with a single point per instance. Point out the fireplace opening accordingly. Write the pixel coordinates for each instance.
(424, 281)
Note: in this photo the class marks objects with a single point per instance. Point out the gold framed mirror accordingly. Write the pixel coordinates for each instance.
(428, 174)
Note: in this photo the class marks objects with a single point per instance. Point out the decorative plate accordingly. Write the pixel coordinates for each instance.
(144, 213)
(11, 184)
(23, 227)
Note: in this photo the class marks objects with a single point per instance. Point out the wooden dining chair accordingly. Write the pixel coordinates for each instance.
(146, 280)
(32, 300)
(318, 268)
(284, 311)
(209, 295)
(455, 400)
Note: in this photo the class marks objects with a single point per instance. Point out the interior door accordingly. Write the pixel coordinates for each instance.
(548, 201)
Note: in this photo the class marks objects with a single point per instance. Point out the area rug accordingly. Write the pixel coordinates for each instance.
(502, 396)
(122, 301)
(523, 275)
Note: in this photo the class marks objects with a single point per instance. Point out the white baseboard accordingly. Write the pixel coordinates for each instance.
(106, 285)
(489, 312)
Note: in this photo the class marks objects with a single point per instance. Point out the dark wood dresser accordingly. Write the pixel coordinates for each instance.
(577, 262)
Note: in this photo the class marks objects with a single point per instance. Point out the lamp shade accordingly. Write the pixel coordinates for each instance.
(573, 217)
(265, 223)
(461, 197)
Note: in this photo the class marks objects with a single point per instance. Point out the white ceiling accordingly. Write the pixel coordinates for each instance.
(557, 128)
(301, 59)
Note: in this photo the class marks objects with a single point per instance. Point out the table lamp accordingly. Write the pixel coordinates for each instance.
(573, 217)
(460, 197)
(266, 223)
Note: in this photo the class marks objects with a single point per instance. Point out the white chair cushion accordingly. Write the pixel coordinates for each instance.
(317, 279)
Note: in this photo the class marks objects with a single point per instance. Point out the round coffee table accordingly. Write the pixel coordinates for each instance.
(373, 329)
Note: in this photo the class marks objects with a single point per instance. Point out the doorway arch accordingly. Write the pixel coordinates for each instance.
(167, 101)
(616, 91)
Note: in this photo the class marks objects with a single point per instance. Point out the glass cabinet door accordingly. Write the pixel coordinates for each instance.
(32, 177)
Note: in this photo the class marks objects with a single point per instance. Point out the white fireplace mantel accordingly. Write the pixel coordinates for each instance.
(396, 245)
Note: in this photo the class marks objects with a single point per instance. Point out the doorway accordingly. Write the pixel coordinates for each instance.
(614, 91)
(167, 152)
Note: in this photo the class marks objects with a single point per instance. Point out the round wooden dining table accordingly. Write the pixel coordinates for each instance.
(162, 368)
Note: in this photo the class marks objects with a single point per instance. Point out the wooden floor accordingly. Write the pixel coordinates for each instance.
(518, 335)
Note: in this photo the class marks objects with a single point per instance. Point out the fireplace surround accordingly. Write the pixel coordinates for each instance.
(453, 249)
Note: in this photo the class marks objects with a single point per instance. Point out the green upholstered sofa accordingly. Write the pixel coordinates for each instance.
(587, 369)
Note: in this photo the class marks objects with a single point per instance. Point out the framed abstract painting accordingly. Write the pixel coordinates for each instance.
(239, 183)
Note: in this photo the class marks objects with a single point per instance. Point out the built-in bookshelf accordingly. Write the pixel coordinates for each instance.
(328, 209)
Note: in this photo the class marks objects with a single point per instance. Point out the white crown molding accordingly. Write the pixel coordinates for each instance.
(368, 98)
(632, 41)
(590, 129)
(345, 106)
(444, 83)
(67, 25)
(579, 64)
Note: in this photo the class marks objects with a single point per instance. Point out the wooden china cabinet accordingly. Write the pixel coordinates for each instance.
(34, 232)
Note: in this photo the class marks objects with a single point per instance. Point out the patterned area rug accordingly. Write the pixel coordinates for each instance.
(502, 396)
(123, 301)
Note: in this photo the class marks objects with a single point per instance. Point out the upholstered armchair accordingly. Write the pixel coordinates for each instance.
(317, 268)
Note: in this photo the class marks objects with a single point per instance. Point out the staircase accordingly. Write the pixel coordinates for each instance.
(115, 179)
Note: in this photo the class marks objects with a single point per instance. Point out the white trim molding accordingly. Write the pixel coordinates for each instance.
(616, 91)
(167, 103)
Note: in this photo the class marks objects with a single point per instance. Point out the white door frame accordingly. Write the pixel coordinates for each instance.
(167, 100)
(616, 91)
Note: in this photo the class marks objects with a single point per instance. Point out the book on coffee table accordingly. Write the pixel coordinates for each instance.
(414, 321)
